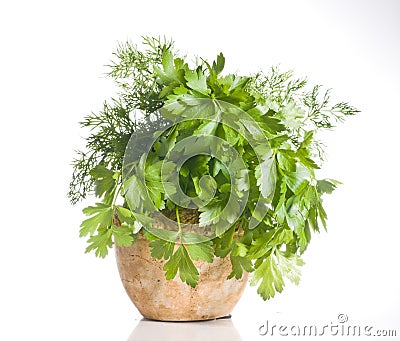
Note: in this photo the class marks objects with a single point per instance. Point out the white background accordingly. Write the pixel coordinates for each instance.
(51, 75)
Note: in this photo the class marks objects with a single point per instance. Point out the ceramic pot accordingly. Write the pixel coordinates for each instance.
(156, 298)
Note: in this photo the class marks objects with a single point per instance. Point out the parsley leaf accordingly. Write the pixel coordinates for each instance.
(218, 65)
(265, 173)
(100, 243)
(197, 81)
(238, 265)
(180, 261)
(104, 180)
(327, 186)
(122, 235)
(199, 247)
(270, 276)
(271, 271)
(101, 217)
(161, 248)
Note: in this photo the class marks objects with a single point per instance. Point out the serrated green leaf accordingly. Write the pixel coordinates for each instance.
(230, 213)
(173, 69)
(168, 61)
(219, 64)
(202, 251)
(122, 235)
(238, 265)
(326, 186)
(143, 219)
(156, 190)
(223, 243)
(219, 166)
(102, 216)
(301, 238)
(168, 88)
(159, 170)
(90, 210)
(239, 249)
(265, 173)
(286, 160)
(270, 276)
(304, 158)
(280, 209)
(123, 212)
(289, 265)
(278, 141)
(225, 188)
(322, 214)
(282, 236)
(238, 83)
(272, 125)
(184, 171)
(100, 243)
(296, 212)
(259, 211)
(303, 152)
(198, 165)
(292, 115)
(134, 192)
(308, 138)
(242, 180)
(180, 261)
(207, 187)
(312, 219)
(153, 171)
(261, 245)
(296, 181)
(309, 196)
(231, 136)
(161, 248)
(307, 232)
(197, 81)
(207, 128)
(104, 182)
(127, 219)
(210, 214)
(100, 171)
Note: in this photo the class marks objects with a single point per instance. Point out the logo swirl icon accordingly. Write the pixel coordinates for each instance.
(343, 318)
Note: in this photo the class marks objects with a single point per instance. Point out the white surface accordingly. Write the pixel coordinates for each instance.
(51, 76)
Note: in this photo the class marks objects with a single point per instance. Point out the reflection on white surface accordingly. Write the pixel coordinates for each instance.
(221, 329)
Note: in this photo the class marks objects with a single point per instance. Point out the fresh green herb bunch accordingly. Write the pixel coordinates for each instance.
(155, 83)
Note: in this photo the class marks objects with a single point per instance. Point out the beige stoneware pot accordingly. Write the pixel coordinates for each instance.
(156, 298)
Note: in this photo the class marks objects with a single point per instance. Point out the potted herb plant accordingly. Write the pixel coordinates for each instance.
(202, 179)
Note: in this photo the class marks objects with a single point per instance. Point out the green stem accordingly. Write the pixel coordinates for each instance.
(117, 190)
(179, 223)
